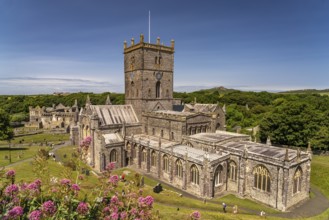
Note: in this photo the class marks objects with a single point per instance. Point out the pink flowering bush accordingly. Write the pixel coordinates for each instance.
(60, 199)
(195, 215)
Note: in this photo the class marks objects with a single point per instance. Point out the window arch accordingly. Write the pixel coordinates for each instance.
(233, 171)
(262, 179)
(143, 152)
(166, 163)
(297, 180)
(194, 174)
(153, 158)
(133, 151)
(179, 168)
(219, 175)
(158, 89)
(113, 156)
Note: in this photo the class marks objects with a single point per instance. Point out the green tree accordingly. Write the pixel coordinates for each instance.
(6, 132)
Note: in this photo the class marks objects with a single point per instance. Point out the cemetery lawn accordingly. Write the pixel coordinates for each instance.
(18, 153)
(38, 138)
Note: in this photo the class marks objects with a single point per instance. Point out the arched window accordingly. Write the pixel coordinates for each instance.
(156, 60)
(262, 179)
(158, 89)
(172, 136)
(194, 174)
(132, 89)
(166, 163)
(298, 180)
(113, 156)
(149, 93)
(104, 161)
(233, 171)
(219, 175)
(133, 151)
(179, 168)
(167, 93)
(143, 155)
(153, 158)
(161, 133)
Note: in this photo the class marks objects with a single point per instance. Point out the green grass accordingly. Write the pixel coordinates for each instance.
(38, 138)
(320, 173)
(18, 154)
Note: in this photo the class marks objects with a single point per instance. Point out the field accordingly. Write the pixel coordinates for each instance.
(38, 138)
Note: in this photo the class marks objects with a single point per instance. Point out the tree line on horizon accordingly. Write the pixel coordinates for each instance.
(292, 119)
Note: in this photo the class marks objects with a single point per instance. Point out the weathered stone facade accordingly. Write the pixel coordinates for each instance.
(188, 149)
(59, 116)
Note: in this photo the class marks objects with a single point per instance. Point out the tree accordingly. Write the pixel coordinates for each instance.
(6, 132)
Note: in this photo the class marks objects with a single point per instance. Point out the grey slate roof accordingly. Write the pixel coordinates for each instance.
(112, 138)
(262, 149)
(219, 136)
(200, 107)
(115, 114)
(192, 153)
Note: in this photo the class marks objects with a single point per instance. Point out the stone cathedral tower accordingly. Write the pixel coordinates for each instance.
(149, 72)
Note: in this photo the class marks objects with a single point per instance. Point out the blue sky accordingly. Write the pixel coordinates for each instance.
(77, 45)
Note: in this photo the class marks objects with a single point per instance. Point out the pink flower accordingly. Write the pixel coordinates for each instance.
(82, 208)
(10, 173)
(133, 211)
(15, 212)
(123, 215)
(49, 208)
(75, 187)
(11, 190)
(148, 200)
(35, 215)
(65, 182)
(106, 210)
(195, 215)
(114, 216)
(110, 166)
(114, 179)
(114, 200)
(33, 187)
(37, 182)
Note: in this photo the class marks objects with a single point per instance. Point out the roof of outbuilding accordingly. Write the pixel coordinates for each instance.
(112, 138)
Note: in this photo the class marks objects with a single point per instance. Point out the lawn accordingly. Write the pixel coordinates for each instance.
(18, 153)
(38, 138)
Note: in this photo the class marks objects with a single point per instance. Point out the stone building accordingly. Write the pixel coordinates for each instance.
(188, 149)
(59, 116)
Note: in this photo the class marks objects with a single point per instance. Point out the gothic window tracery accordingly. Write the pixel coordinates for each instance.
(195, 175)
(219, 175)
(262, 179)
(113, 156)
(233, 171)
(297, 180)
(153, 158)
(166, 163)
(179, 168)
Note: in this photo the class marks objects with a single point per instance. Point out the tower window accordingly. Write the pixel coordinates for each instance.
(156, 60)
(158, 89)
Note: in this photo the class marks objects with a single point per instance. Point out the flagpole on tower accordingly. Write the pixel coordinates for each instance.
(149, 27)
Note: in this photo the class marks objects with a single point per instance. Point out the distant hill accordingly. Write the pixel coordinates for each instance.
(307, 91)
(220, 90)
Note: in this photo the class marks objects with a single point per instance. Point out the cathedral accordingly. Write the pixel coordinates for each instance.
(186, 146)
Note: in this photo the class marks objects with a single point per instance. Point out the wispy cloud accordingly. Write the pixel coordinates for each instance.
(33, 85)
